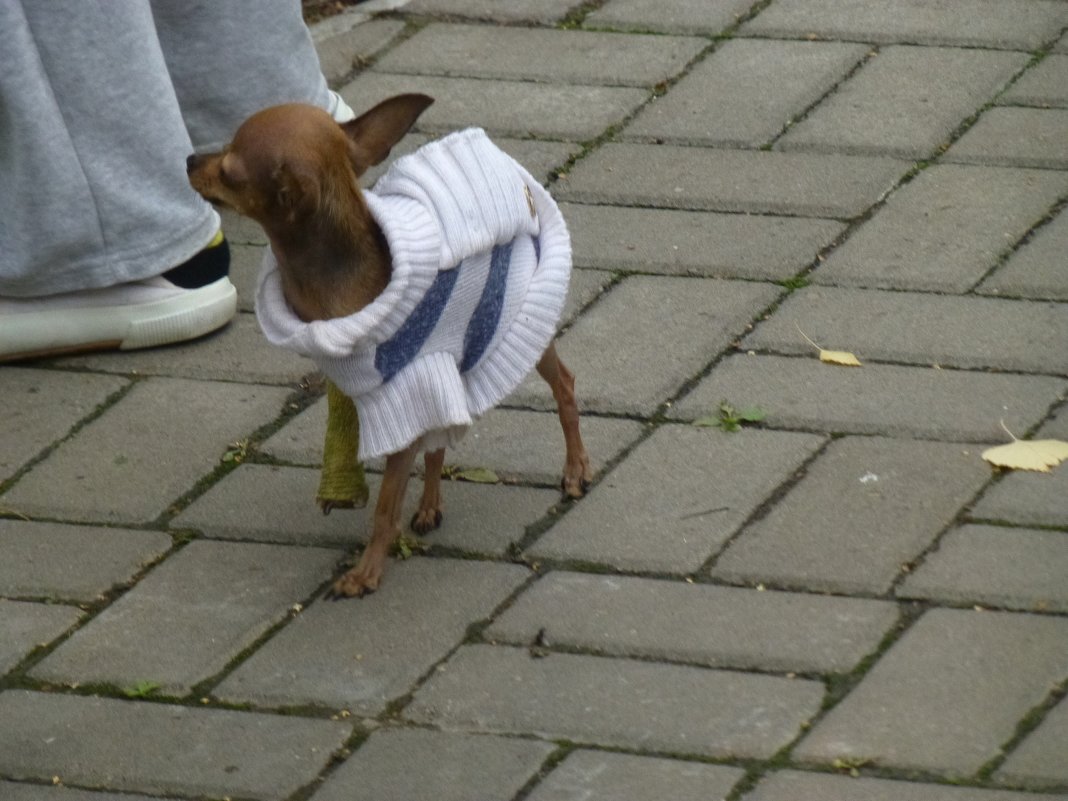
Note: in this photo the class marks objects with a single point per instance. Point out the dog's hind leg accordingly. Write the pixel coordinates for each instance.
(428, 516)
(577, 471)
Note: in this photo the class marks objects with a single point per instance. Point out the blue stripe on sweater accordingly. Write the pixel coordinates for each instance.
(396, 352)
(487, 315)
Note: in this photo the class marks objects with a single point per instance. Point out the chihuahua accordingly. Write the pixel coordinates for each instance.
(425, 300)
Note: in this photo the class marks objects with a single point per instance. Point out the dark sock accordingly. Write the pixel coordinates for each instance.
(206, 267)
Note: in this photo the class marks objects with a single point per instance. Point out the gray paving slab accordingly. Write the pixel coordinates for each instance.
(793, 785)
(604, 776)
(683, 16)
(419, 765)
(145, 451)
(1039, 759)
(951, 405)
(238, 352)
(1061, 45)
(947, 695)
(40, 407)
(241, 230)
(72, 563)
(1014, 568)
(504, 108)
(945, 229)
(676, 499)
(342, 52)
(373, 650)
(1044, 85)
(689, 319)
(759, 87)
(557, 56)
(278, 505)
(1017, 137)
(755, 182)
(920, 328)
(1029, 498)
(891, 106)
(867, 506)
(543, 12)
(696, 243)
(1011, 24)
(16, 791)
(161, 749)
(1036, 270)
(26, 626)
(615, 702)
(245, 261)
(190, 616)
(696, 624)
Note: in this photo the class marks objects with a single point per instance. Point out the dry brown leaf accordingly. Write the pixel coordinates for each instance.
(842, 358)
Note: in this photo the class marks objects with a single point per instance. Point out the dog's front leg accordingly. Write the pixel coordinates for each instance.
(367, 574)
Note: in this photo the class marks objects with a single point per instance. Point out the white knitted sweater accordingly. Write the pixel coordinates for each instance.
(481, 262)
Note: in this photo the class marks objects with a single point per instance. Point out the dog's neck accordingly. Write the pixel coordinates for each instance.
(335, 263)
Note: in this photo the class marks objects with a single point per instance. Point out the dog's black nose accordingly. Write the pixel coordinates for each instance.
(191, 162)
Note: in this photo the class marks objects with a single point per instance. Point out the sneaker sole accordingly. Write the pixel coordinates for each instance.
(192, 314)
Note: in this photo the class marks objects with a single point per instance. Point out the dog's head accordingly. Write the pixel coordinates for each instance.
(287, 161)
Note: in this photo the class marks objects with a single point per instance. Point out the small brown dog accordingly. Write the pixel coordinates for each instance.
(426, 300)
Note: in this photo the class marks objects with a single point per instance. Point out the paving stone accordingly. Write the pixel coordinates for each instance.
(238, 352)
(959, 220)
(756, 182)
(1061, 45)
(1039, 759)
(900, 326)
(951, 405)
(1045, 85)
(1027, 498)
(1012, 24)
(26, 626)
(1036, 270)
(864, 508)
(278, 505)
(245, 262)
(161, 749)
(544, 12)
(947, 695)
(604, 776)
(615, 702)
(343, 51)
(688, 16)
(504, 108)
(372, 650)
(1015, 568)
(759, 87)
(74, 563)
(792, 785)
(418, 765)
(690, 319)
(676, 498)
(241, 230)
(40, 407)
(531, 54)
(175, 631)
(1018, 137)
(891, 106)
(12, 791)
(144, 451)
(695, 243)
(698, 624)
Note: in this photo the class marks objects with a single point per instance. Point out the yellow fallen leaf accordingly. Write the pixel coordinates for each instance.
(840, 357)
(1039, 454)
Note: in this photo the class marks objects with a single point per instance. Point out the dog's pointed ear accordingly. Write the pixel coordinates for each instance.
(296, 191)
(374, 133)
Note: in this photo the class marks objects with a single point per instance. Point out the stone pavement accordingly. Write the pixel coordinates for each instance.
(841, 602)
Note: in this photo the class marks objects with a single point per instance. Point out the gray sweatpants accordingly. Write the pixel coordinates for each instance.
(100, 103)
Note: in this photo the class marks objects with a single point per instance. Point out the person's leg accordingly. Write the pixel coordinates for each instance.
(94, 204)
(228, 60)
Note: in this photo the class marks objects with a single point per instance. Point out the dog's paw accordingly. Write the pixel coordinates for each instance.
(426, 520)
(356, 583)
(577, 478)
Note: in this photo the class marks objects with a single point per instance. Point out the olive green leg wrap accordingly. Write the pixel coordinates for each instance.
(342, 484)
